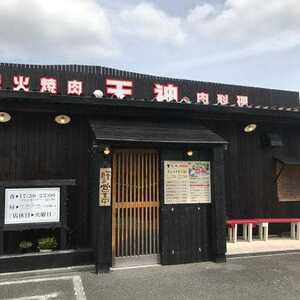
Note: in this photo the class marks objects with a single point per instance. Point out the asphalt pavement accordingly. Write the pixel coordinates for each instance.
(261, 277)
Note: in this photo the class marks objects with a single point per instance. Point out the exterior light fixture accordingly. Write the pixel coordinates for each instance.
(106, 151)
(98, 94)
(189, 153)
(250, 128)
(62, 119)
(4, 117)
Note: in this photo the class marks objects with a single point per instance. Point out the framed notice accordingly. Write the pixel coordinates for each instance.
(288, 183)
(105, 187)
(32, 205)
(187, 182)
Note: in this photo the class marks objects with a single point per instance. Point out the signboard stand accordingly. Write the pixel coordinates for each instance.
(35, 187)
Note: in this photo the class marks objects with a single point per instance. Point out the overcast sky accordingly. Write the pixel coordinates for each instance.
(248, 42)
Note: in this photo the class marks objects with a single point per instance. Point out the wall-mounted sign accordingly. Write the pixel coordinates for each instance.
(187, 182)
(105, 187)
(288, 188)
(75, 80)
(120, 88)
(32, 205)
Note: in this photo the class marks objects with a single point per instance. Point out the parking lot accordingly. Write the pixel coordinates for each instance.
(41, 287)
(263, 277)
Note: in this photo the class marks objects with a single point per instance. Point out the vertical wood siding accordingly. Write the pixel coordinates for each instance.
(185, 228)
(33, 146)
(250, 171)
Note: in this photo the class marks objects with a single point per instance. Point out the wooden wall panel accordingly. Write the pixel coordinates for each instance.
(33, 146)
(250, 171)
(185, 232)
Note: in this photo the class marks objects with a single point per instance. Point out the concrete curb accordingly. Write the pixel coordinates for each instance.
(251, 254)
(45, 272)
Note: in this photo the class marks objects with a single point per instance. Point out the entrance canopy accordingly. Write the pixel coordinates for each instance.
(154, 132)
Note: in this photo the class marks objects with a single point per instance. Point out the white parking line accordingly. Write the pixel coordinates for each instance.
(77, 283)
(40, 297)
(78, 288)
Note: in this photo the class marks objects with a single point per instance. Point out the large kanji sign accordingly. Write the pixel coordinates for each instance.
(120, 89)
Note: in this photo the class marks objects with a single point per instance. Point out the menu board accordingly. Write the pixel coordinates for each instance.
(32, 205)
(105, 187)
(187, 182)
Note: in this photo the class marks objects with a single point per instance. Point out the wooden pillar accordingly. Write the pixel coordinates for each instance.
(218, 206)
(101, 225)
(94, 163)
(64, 217)
(2, 201)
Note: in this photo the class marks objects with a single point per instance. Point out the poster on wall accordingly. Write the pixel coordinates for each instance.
(187, 182)
(288, 188)
(32, 205)
(105, 187)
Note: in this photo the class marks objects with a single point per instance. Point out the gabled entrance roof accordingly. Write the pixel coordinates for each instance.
(135, 131)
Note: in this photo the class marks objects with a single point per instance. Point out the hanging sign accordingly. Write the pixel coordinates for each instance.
(105, 187)
(32, 205)
(187, 182)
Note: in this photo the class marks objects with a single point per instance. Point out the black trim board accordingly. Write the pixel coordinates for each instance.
(153, 132)
(34, 101)
(53, 259)
(38, 183)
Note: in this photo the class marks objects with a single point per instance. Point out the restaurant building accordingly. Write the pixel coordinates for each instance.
(121, 168)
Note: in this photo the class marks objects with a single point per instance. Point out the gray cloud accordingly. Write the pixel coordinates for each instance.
(253, 25)
(148, 22)
(71, 29)
(150, 36)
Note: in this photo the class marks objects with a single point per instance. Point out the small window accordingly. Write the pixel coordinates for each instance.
(288, 182)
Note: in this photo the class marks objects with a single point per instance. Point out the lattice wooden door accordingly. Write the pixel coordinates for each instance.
(135, 203)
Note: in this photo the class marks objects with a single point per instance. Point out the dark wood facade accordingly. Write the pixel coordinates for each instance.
(251, 188)
(34, 147)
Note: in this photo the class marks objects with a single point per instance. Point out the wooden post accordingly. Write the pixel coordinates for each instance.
(218, 206)
(63, 207)
(1, 242)
(103, 221)
(2, 201)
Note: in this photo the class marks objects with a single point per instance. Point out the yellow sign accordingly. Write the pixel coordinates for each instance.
(105, 187)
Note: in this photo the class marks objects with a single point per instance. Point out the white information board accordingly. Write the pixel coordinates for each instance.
(32, 205)
(187, 182)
